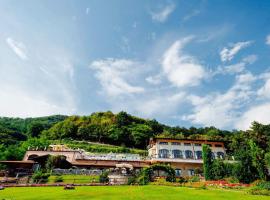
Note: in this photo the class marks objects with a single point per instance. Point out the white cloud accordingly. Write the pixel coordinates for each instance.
(268, 39)
(114, 76)
(264, 91)
(182, 69)
(20, 103)
(236, 68)
(220, 109)
(163, 14)
(18, 48)
(192, 14)
(228, 53)
(233, 69)
(154, 80)
(250, 59)
(151, 107)
(43, 85)
(257, 113)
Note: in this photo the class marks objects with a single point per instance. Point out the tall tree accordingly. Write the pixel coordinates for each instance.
(207, 162)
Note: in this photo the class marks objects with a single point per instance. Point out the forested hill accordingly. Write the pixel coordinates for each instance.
(13, 130)
(124, 130)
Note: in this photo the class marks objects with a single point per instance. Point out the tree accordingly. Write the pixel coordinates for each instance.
(267, 159)
(123, 119)
(207, 162)
(258, 160)
(35, 129)
(140, 134)
(218, 170)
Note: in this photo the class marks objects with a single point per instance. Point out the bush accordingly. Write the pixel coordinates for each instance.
(258, 191)
(40, 177)
(260, 188)
(194, 179)
(142, 180)
(103, 178)
(132, 180)
(232, 180)
(182, 180)
(263, 185)
(58, 179)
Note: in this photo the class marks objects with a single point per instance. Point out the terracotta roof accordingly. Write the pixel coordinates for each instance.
(185, 139)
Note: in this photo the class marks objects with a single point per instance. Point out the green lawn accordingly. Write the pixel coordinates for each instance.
(125, 193)
(75, 179)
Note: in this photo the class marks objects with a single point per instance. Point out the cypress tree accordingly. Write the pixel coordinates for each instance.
(207, 161)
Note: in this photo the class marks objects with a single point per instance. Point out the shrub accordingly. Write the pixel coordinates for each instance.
(103, 177)
(194, 179)
(258, 191)
(58, 179)
(263, 185)
(182, 180)
(131, 180)
(40, 177)
(232, 180)
(260, 188)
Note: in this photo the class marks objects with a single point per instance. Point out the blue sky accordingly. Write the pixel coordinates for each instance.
(186, 63)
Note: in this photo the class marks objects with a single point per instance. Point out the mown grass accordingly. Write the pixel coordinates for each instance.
(124, 193)
(75, 179)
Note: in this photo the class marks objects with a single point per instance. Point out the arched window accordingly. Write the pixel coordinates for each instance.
(177, 153)
(163, 153)
(198, 155)
(220, 155)
(188, 154)
(178, 172)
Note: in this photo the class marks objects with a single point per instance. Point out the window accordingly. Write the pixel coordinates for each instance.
(197, 144)
(218, 145)
(178, 172)
(176, 143)
(177, 153)
(188, 154)
(187, 144)
(220, 155)
(191, 172)
(198, 154)
(163, 143)
(163, 153)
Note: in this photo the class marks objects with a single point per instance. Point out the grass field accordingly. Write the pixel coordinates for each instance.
(75, 179)
(124, 193)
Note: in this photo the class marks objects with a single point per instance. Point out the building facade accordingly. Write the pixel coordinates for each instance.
(184, 155)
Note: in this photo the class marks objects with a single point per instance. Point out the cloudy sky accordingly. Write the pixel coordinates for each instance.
(187, 63)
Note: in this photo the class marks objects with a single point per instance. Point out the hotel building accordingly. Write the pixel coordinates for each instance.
(184, 155)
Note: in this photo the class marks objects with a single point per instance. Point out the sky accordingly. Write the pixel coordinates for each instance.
(185, 63)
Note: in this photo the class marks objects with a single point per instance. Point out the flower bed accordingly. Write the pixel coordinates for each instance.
(226, 184)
